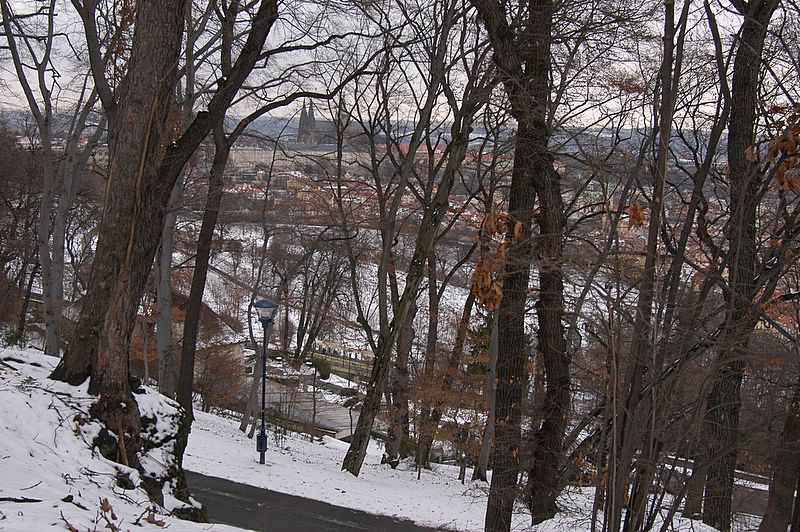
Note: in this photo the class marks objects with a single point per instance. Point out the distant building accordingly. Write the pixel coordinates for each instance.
(313, 131)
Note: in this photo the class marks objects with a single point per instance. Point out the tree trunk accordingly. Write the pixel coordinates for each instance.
(722, 414)
(479, 473)
(145, 352)
(398, 416)
(694, 489)
(23, 311)
(137, 124)
(722, 424)
(167, 365)
(525, 74)
(630, 430)
(427, 425)
(787, 470)
(43, 239)
(544, 483)
(148, 195)
(74, 163)
(144, 166)
(195, 304)
(132, 216)
(512, 344)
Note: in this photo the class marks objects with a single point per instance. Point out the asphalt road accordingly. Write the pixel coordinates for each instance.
(260, 509)
(244, 506)
(750, 500)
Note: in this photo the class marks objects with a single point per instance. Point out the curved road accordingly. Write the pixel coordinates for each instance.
(244, 506)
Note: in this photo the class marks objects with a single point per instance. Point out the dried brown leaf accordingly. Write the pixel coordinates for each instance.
(635, 214)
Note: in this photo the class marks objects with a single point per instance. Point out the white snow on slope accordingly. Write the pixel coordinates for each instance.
(46, 457)
(46, 460)
(313, 470)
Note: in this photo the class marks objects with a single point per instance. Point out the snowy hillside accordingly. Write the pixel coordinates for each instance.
(51, 478)
(49, 475)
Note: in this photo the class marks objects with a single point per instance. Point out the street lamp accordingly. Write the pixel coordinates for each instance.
(266, 311)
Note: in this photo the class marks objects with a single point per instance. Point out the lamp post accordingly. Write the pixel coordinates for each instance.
(266, 311)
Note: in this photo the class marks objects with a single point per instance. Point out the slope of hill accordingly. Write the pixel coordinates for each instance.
(51, 477)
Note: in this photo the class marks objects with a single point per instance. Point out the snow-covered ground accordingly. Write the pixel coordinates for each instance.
(51, 478)
(298, 467)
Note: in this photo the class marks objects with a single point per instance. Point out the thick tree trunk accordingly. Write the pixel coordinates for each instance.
(722, 424)
(694, 489)
(137, 123)
(133, 215)
(525, 73)
(778, 515)
(722, 415)
(512, 344)
(117, 239)
(398, 416)
(143, 169)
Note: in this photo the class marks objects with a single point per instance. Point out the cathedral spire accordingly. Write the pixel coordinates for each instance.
(303, 129)
(311, 119)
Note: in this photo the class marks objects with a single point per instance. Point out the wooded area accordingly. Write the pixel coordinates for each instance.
(564, 234)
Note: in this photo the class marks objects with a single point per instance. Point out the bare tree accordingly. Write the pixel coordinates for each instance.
(464, 108)
(34, 53)
(141, 177)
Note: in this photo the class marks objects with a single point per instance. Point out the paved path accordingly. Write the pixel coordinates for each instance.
(750, 500)
(297, 405)
(244, 506)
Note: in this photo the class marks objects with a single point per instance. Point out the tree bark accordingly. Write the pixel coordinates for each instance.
(524, 65)
(427, 425)
(204, 241)
(512, 345)
(122, 261)
(26, 299)
(778, 515)
(167, 365)
(153, 195)
(479, 473)
(142, 172)
(722, 414)
(398, 416)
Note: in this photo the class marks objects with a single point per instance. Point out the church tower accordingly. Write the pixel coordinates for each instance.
(305, 131)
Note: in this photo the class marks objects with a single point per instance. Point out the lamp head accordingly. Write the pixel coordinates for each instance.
(265, 309)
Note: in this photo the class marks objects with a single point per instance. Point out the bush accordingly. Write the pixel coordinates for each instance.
(12, 338)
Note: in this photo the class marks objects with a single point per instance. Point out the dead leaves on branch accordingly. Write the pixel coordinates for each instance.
(783, 150)
(498, 231)
(635, 213)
